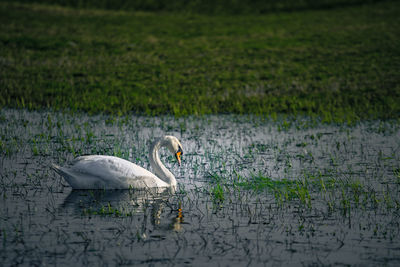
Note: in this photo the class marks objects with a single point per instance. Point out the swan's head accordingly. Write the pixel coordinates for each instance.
(173, 145)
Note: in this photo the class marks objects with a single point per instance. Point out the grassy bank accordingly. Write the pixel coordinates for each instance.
(340, 64)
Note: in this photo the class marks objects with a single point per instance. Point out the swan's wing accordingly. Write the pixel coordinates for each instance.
(107, 172)
(108, 166)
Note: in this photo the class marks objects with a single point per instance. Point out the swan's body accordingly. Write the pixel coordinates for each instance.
(108, 172)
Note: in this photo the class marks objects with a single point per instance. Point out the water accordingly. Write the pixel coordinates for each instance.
(353, 221)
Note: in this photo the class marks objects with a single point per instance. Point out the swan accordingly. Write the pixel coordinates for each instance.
(109, 172)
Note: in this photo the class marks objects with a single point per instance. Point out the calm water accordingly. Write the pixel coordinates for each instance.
(44, 222)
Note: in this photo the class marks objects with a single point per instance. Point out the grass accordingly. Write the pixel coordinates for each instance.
(106, 211)
(340, 64)
(313, 192)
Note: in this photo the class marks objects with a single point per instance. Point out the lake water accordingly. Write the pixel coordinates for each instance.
(343, 207)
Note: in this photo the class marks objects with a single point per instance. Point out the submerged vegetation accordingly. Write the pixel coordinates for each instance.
(340, 64)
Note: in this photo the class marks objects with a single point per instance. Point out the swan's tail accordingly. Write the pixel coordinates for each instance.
(57, 169)
(63, 173)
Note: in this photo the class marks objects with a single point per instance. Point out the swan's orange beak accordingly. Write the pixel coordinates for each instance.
(178, 157)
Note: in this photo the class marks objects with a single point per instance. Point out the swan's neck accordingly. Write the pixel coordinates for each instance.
(159, 169)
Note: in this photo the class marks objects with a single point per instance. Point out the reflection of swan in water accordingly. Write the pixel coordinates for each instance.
(119, 199)
(146, 204)
(108, 172)
(178, 220)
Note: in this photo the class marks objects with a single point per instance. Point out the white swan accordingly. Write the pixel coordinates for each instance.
(108, 172)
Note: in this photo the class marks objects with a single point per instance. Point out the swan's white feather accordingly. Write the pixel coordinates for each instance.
(107, 172)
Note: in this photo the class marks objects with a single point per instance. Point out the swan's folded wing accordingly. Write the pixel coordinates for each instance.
(108, 166)
(110, 173)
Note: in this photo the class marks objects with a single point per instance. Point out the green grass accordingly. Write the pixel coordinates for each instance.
(340, 64)
(313, 192)
(107, 211)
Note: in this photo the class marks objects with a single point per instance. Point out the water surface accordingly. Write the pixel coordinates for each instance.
(354, 220)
